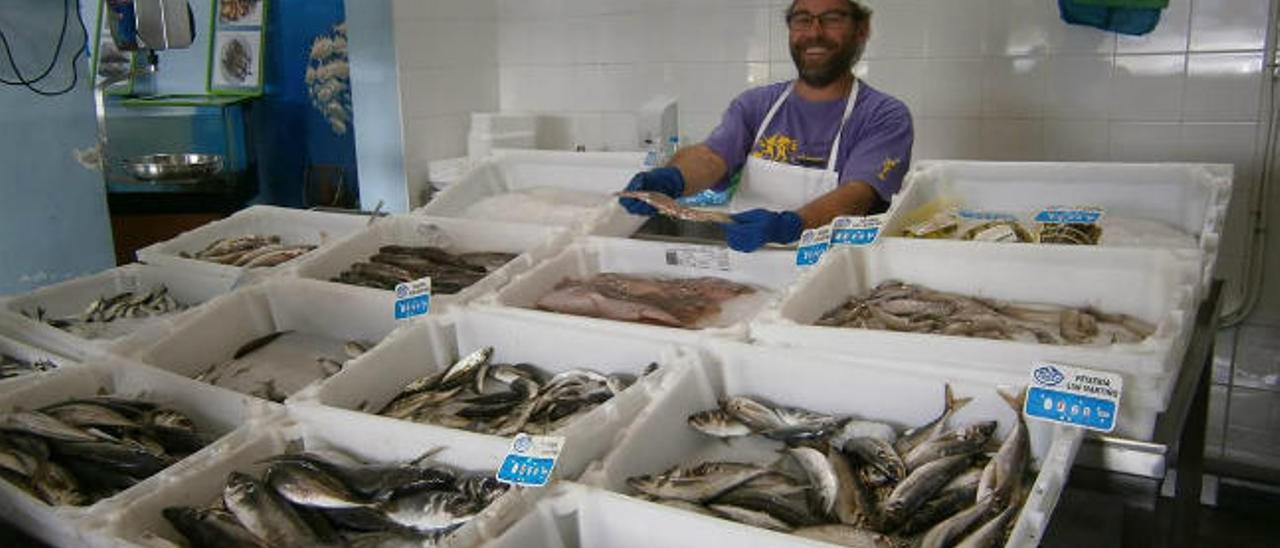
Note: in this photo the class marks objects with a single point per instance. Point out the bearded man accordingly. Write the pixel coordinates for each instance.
(798, 154)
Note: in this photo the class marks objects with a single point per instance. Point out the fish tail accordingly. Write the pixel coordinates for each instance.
(1015, 401)
(953, 403)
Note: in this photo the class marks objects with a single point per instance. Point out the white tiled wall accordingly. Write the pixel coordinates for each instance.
(447, 59)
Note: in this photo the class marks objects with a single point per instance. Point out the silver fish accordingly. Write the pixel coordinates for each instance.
(670, 208)
(718, 423)
(821, 477)
(210, 527)
(57, 486)
(954, 497)
(915, 436)
(753, 518)
(82, 414)
(40, 424)
(468, 365)
(429, 510)
(264, 514)
(951, 529)
(878, 454)
(961, 441)
(991, 531)
(920, 485)
(1003, 473)
(698, 483)
(863, 429)
(855, 503)
(758, 416)
(305, 484)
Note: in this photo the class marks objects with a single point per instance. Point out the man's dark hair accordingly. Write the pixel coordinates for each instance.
(858, 11)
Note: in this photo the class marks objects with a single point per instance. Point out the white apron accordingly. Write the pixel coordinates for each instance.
(782, 187)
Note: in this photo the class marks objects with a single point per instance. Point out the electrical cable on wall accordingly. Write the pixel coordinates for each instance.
(30, 84)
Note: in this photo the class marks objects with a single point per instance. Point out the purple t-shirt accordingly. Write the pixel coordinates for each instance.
(875, 148)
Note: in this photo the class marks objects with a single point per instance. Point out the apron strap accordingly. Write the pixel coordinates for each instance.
(848, 110)
(768, 118)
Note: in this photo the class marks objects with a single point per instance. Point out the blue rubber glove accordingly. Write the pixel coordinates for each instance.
(667, 180)
(752, 229)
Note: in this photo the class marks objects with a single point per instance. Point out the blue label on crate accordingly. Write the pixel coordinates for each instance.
(813, 244)
(413, 299)
(856, 231)
(531, 460)
(1074, 396)
(1070, 215)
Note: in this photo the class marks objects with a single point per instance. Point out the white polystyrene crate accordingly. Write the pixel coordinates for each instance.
(1192, 198)
(770, 271)
(320, 318)
(72, 297)
(427, 347)
(141, 522)
(215, 411)
(1153, 285)
(31, 354)
(531, 242)
(596, 173)
(661, 437)
(293, 226)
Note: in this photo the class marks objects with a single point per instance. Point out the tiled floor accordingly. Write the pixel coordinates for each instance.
(1244, 402)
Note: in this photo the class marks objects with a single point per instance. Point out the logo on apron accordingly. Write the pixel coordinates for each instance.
(777, 148)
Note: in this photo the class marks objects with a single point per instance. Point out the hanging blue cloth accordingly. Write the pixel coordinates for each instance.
(1124, 20)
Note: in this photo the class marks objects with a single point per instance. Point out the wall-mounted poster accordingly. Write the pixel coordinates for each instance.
(108, 60)
(235, 52)
(240, 12)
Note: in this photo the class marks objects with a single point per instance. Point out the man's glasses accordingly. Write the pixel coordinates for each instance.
(803, 20)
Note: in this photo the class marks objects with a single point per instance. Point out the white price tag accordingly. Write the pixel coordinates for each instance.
(413, 299)
(703, 258)
(856, 231)
(531, 460)
(1074, 396)
(1070, 215)
(813, 244)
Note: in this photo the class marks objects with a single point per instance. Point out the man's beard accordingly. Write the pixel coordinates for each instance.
(824, 74)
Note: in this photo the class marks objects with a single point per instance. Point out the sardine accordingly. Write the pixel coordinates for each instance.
(863, 429)
(991, 531)
(83, 414)
(718, 423)
(953, 528)
(961, 441)
(920, 485)
(1003, 473)
(855, 503)
(915, 436)
(958, 494)
(698, 483)
(757, 416)
(821, 477)
(879, 455)
(42, 425)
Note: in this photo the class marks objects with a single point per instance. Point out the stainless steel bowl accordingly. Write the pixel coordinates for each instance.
(171, 167)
